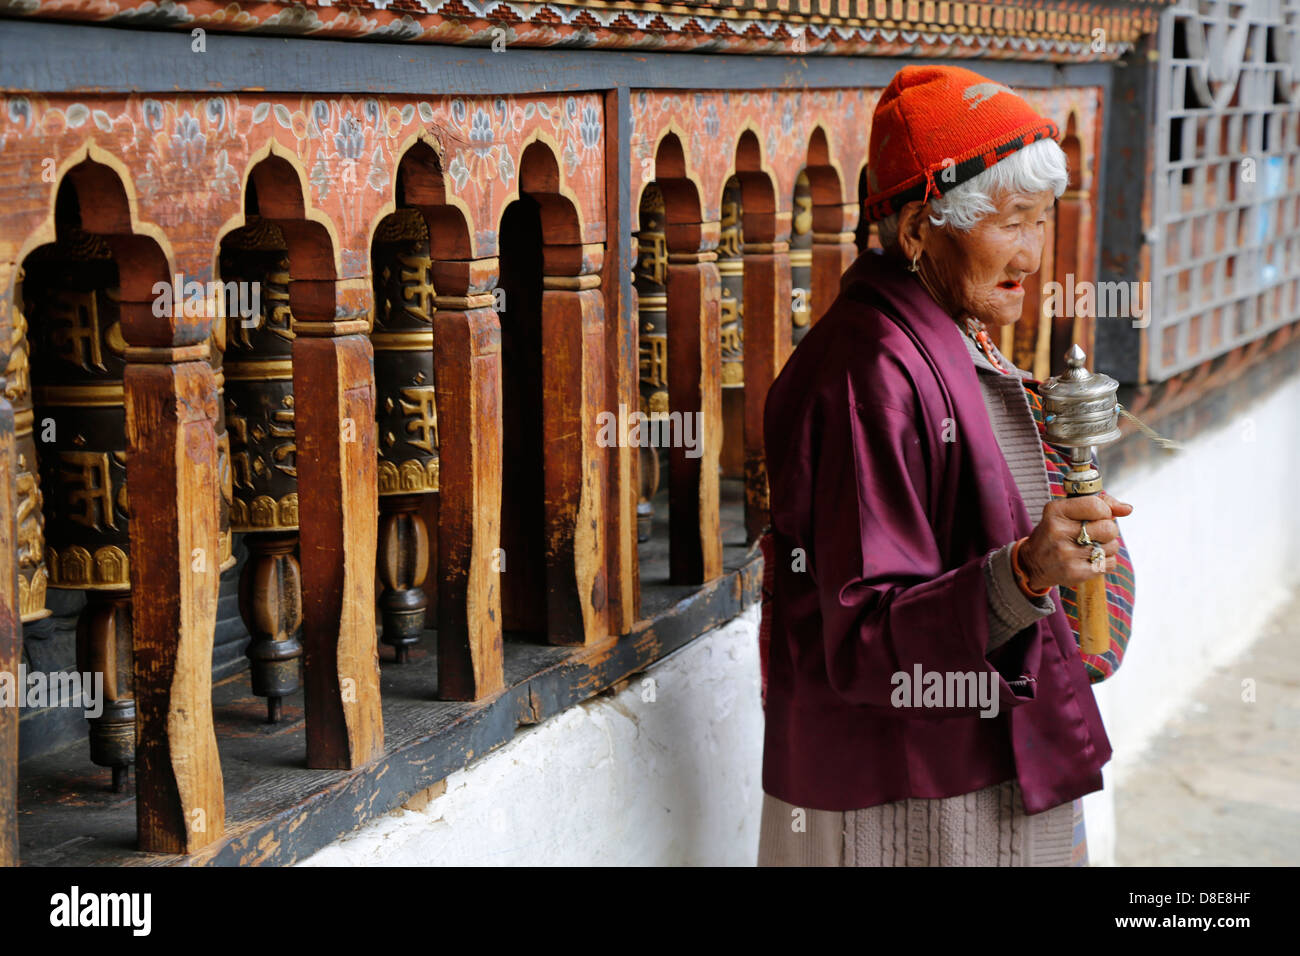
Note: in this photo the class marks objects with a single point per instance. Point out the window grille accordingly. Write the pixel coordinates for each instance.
(1225, 248)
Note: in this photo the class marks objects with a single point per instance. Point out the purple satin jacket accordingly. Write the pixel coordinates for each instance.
(888, 489)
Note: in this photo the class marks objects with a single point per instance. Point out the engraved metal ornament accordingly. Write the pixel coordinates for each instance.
(731, 275)
(1080, 407)
(651, 281)
(258, 378)
(77, 362)
(402, 337)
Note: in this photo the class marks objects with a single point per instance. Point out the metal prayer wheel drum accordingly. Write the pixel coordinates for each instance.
(801, 244)
(1081, 412)
(651, 281)
(259, 411)
(731, 330)
(77, 362)
(33, 577)
(407, 413)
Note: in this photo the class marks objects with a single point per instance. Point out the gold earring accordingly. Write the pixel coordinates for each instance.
(913, 266)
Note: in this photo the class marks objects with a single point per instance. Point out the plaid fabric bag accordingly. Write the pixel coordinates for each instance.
(1119, 583)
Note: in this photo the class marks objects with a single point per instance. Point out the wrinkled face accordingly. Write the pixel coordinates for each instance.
(980, 272)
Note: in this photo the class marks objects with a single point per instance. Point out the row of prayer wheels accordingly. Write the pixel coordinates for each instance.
(65, 383)
(650, 279)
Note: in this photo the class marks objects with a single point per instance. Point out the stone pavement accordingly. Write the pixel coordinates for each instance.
(1220, 786)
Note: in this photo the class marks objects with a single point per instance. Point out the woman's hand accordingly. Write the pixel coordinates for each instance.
(1051, 556)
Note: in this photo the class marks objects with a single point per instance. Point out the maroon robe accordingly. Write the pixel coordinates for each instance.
(884, 470)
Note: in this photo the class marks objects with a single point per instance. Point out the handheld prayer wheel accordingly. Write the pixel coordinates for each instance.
(1081, 413)
(801, 246)
(651, 281)
(259, 407)
(33, 576)
(407, 414)
(731, 330)
(77, 360)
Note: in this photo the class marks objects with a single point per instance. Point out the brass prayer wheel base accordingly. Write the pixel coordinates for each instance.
(403, 626)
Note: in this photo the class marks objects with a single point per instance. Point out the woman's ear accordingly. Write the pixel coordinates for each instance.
(913, 226)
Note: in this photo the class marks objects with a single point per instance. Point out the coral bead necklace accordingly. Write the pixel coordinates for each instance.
(976, 330)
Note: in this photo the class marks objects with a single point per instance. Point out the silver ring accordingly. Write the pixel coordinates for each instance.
(1098, 558)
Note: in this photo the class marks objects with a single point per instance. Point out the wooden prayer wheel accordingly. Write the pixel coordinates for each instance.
(731, 330)
(71, 297)
(259, 415)
(801, 244)
(407, 412)
(651, 281)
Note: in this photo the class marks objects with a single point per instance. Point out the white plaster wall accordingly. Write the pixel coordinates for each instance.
(620, 780)
(1215, 543)
(623, 780)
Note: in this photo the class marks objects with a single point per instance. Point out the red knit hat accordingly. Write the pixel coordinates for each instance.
(935, 127)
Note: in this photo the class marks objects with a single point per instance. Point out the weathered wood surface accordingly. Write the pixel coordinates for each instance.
(339, 527)
(694, 388)
(171, 413)
(767, 346)
(49, 56)
(467, 367)
(621, 372)
(832, 254)
(281, 812)
(11, 631)
(573, 394)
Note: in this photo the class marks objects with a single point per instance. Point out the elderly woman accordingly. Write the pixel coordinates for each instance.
(926, 702)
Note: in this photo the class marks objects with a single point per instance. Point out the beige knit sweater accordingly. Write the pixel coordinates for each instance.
(988, 827)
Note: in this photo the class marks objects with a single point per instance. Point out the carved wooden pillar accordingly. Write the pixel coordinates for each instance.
(767, 346)
(650, 287)
(1072, 267)
(834, 248)
(694, 387)
(11, 634)
(333, 380)
(574, 464)
(731, 330)
(467, 367)
(801, 259)
(408, 420)
(171, 414)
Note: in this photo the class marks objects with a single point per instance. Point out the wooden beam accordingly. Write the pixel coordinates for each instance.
(334, 426)
(832, 254)
(467, 368)
(767, 346)
(171, 414)
(695, 388)
(621, 374)
(574, 465)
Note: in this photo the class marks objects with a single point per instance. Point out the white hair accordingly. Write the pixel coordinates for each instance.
(1039, 166)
